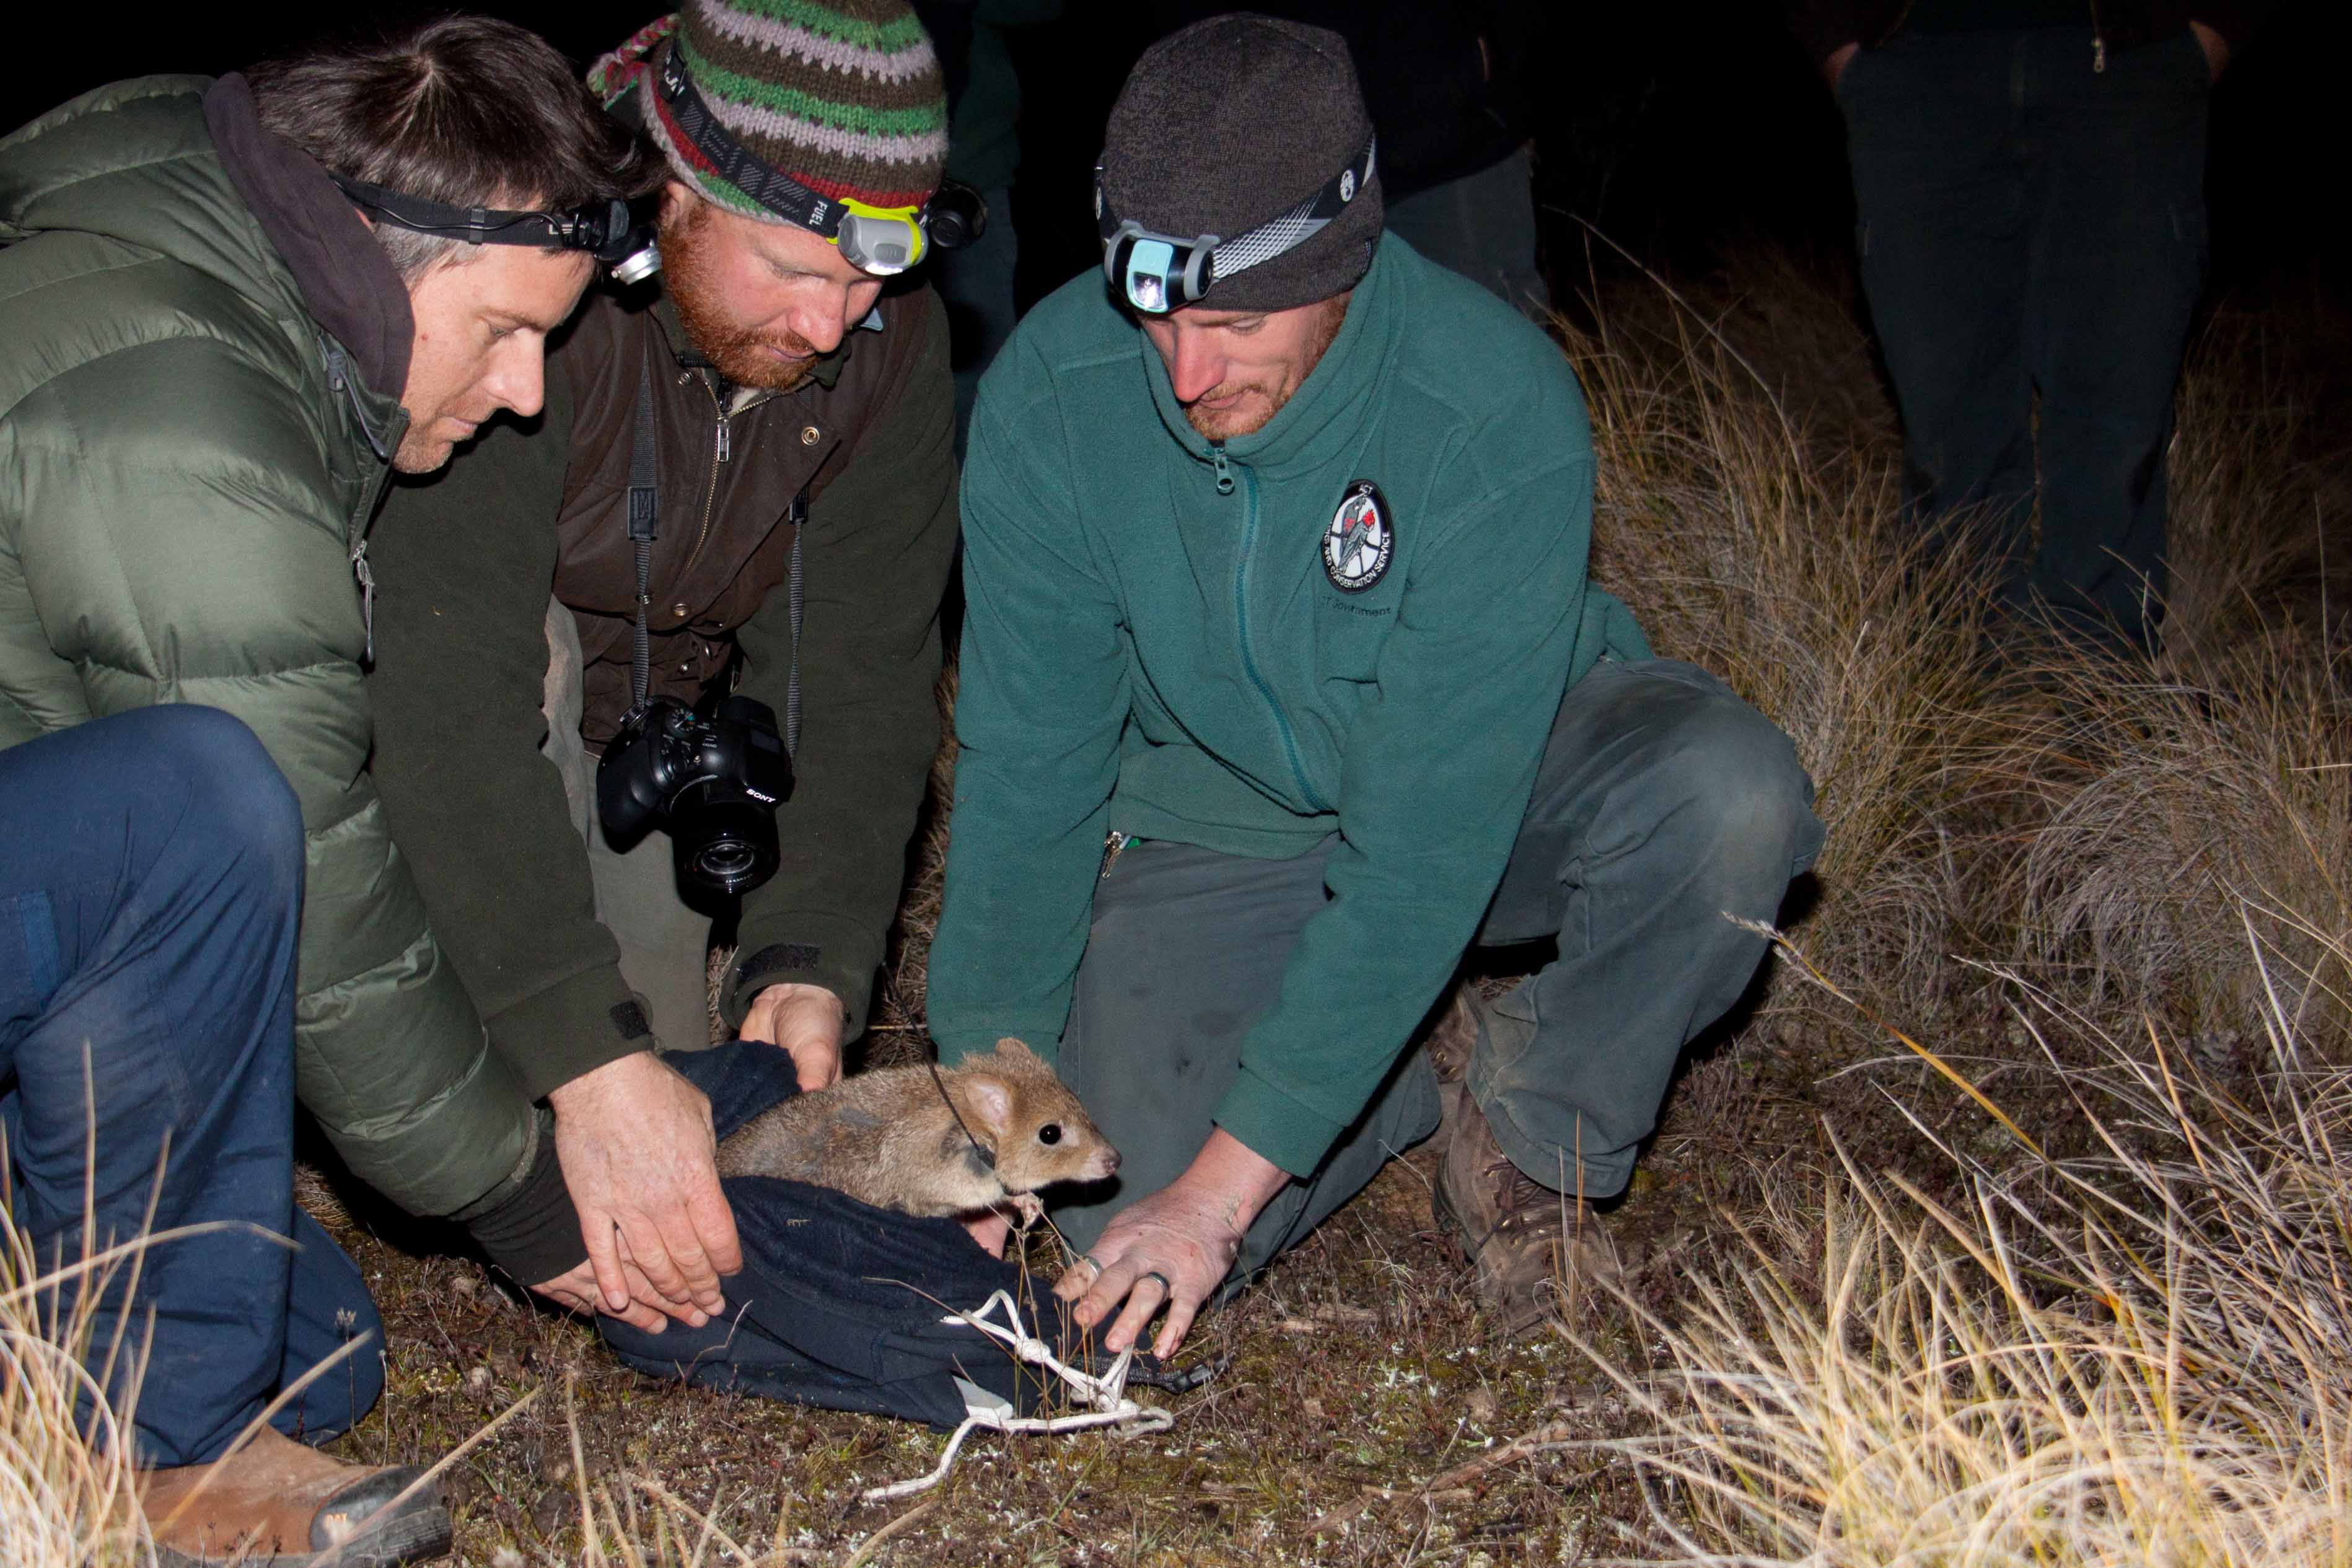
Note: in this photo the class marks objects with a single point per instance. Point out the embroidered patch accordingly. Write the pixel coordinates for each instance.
(1360, 540)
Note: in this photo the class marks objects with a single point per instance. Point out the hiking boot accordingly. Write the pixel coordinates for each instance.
(1537, 1251)
(1448, 1042)
(275, 1503)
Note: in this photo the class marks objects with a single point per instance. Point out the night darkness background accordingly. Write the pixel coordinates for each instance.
(1676, 130)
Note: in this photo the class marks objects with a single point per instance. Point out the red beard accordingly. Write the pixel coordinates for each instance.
(746, 356)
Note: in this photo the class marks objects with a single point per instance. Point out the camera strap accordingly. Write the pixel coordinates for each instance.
(792, 603)
(645, 511)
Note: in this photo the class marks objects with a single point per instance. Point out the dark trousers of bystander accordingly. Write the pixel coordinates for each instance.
(150, 885)
(1482, 226)
(975, 283)
(2032, 220)
(1664, 803)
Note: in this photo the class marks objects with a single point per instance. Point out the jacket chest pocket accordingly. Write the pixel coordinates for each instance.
(1350, 630)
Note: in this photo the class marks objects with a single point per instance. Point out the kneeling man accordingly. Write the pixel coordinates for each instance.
(1276, 571)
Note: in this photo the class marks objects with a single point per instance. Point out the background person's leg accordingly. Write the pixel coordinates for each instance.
(1941, 196)
(1663, 802)
(151, 874)
(1188, 950)
(1482, 226)
(2120, 259)
(975, 283)
(665, 944)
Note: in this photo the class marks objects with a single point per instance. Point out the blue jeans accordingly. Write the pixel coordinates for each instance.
(2033, 226)
(151, 888)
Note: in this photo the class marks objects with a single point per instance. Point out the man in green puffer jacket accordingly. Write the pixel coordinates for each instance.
(209, 367)
(1286, 590)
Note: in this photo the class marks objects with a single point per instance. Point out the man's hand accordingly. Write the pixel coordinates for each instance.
(1174, 1248)
(2216, 48)
(635, 1142)
(577, 1291)
(1839, 58)
(807, 1021)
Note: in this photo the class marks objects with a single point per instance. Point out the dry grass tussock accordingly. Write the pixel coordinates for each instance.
(2136, 1351)
(2140, 1356)
(65, 1502)
(2168, 810)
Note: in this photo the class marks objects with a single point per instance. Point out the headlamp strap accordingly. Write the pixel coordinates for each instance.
(738, 164)
(645, 513)
(588, 228)
(1268, 239)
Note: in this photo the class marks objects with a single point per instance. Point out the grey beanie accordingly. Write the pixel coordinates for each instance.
(1234, 121)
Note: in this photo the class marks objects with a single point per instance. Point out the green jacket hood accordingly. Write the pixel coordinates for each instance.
(180, 166)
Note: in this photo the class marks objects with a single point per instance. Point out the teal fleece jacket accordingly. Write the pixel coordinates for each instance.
(1153, 645)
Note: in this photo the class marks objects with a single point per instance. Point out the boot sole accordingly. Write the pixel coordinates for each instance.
(418, 1533)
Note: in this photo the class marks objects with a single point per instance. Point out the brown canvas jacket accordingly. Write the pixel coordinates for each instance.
(729, 471)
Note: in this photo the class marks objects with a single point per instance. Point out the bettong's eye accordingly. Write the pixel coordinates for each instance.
(1051, 1132)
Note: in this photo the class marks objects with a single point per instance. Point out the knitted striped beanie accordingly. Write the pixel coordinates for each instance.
(844, 96)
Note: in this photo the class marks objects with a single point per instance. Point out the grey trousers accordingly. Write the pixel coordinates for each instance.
(1663, 802)
(664, 943)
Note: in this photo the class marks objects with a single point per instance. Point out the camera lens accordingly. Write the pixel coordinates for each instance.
(725, 840)
(727, 860)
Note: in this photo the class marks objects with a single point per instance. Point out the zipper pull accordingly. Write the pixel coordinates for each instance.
(366, 576)
(1224, 475)
(2098, 53)
(725, 445)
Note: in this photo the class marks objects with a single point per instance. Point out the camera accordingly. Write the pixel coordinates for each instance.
(714, 782)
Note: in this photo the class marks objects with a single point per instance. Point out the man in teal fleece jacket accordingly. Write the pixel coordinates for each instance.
(1284, 589)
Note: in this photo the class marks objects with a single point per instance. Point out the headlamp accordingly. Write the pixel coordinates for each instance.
(606, 229)
(882, 241)
(1157, 273)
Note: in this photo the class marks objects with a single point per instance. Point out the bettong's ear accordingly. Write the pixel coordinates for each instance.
(991, 1101)
(1011, 1047)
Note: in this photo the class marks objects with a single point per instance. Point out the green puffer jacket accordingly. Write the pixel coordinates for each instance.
(201, 353)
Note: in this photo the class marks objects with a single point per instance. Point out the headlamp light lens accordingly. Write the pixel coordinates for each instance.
(1152, 277)
(883, 243)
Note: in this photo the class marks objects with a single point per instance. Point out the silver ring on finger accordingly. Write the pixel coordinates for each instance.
(1091, 1261)
(1165, 1287)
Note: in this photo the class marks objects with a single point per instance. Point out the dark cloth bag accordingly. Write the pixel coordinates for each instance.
(839, 1302)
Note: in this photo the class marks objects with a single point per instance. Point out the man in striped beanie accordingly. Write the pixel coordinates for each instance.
(780, 392)
(784, 114)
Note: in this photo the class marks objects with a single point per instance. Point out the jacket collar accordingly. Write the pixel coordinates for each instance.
(1324, 415)
(347, 283)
